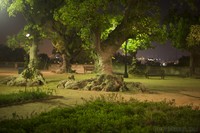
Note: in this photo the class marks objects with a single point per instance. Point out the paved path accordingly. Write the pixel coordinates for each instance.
(73, 97)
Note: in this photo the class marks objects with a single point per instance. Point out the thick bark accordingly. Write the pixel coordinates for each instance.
(104, 55)
(105, 59)
(33, 60)
(105, 63)
(105, 49)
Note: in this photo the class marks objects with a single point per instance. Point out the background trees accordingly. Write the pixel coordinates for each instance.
(184, 19)
(66, 42)
(7, 54)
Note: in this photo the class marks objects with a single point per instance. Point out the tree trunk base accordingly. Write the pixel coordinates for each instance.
(36, 80)
(109, 83)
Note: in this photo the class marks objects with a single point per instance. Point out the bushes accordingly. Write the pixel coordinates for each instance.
(104, 115)
(24, 96)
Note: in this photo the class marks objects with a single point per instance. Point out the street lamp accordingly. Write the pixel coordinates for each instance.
(125, 68)
(27, 35)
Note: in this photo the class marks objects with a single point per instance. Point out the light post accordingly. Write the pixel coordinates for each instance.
(125, 67)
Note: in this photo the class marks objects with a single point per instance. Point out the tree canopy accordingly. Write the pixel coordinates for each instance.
(184, 19)
(107, 24)
(193, 37)
(103, 24)
(182, 23)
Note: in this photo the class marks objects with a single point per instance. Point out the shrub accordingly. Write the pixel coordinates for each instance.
(103, 115)
(24, 96)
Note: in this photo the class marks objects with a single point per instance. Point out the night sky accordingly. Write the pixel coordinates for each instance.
(12, 25)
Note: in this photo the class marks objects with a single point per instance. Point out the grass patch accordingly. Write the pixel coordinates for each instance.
(169, 84)
(102, 115)
(24, 96)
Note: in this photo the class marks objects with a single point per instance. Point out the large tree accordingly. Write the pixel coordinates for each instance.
(184, 19)
(107, 24)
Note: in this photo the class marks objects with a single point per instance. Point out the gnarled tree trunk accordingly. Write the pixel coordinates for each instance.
(105, 62)
(33, 58)
(105, 54)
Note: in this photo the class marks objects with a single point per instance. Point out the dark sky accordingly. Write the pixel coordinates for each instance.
(163, 51)
(9, 26)
(12, 25)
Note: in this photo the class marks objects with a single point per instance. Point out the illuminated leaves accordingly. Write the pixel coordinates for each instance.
(3, 4)
(194, 35)
(89, 15)
(184, 21)
(15, 7)
(114, 22)
(142, 41)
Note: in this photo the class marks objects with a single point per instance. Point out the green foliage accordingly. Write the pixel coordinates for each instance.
(178, 33)
(24, 96)
(34, 15)
(99, 16)
(114, 22)
(112, 114)
(15, 7)
(182, 23)
(142, 41)
(88, 16)
(194, 36)
(3, 4)
(21, 40)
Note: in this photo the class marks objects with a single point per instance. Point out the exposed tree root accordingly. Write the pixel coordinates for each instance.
(35, 80)
(104, 82)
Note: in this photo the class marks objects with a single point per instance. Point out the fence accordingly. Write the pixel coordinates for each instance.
(175, 70)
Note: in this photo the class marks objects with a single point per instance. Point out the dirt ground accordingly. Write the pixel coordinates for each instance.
(73, 97)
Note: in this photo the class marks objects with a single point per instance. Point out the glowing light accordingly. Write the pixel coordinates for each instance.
(27, 35)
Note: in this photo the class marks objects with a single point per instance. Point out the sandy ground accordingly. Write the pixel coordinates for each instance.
(73, 97)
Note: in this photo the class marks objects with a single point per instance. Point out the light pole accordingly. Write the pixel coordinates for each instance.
(125, 67)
